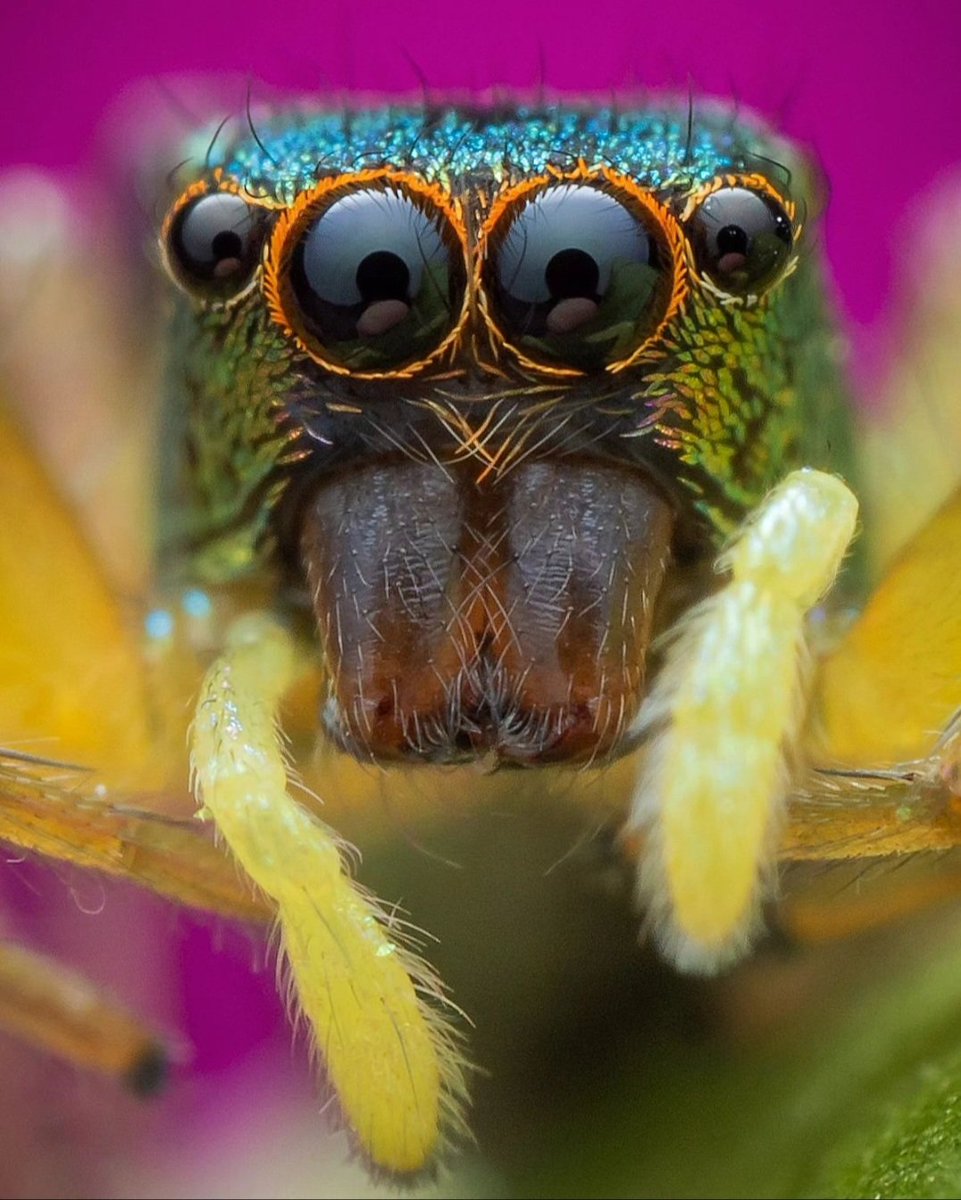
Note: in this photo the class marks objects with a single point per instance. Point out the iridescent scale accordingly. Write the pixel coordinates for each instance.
(659, 149)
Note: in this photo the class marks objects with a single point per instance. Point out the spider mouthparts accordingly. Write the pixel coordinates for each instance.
(506, 620)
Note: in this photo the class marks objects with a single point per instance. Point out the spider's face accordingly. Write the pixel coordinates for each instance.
(493, 387)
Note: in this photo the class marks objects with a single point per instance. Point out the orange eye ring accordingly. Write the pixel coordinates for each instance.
(285, 308)
(761, 186)
(657, 221)
(753, 183)
(222, 290)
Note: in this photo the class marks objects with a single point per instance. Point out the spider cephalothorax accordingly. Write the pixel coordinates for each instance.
(493, 395)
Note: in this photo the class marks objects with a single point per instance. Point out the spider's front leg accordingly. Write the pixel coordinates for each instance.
(721, 721)
(391, 1056)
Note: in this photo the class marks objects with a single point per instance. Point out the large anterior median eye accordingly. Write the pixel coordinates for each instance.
(579, 276)
(742, 239)
(371, 280)
(213, 242)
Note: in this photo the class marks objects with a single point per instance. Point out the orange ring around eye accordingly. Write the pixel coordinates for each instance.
(282, 303)
(659, 219)
(203, 187)
(751, 182)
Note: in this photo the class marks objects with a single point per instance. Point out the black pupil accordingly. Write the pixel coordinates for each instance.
(571, 273)
(732, 239)
(227, 244)
(383, 275)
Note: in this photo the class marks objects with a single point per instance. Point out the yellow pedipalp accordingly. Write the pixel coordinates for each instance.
(725, 708)
(392, 1059)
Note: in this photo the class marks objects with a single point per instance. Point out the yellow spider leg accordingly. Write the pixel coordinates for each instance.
(44, 1003)
(392, 1058)
(725, 707)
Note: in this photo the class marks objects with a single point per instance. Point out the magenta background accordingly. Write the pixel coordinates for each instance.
(874, 89)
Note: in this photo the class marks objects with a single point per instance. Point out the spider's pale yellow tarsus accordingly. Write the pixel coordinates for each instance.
(725, 709)
(391, 1058)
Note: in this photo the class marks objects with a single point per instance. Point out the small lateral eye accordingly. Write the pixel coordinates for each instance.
(214, 243)
(742, 239)
(579, 276)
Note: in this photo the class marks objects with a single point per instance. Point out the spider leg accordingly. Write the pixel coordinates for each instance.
(390, 1054)
(43, 1002)
(725, 709)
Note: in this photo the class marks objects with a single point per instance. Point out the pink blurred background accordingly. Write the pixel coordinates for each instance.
(873, 89)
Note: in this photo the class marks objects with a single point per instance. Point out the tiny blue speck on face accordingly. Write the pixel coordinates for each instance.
(159, 624)
(662, 148)
(196, 603)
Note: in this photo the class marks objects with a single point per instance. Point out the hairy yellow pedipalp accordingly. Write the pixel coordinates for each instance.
(725, 707)
(392, 1059)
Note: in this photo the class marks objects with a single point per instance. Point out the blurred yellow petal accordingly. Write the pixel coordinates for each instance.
(77, 364)
(894, 683)
(71, 681)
